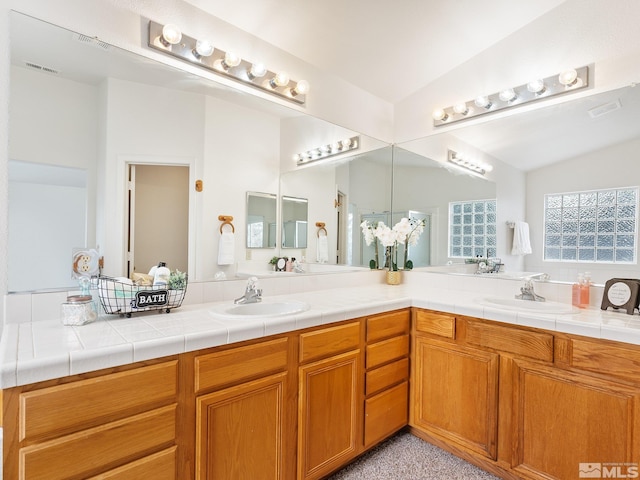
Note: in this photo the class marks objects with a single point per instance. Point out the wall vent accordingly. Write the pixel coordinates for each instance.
(91, 41)
(42, 68)
(604, 109)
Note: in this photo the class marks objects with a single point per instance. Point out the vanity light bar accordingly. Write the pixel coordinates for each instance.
(566, 82)
(169, 40)
(326, 151)
(473, 166)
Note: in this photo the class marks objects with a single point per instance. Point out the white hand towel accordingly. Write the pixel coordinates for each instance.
(521, 241)
(226, 249)
(323, 249)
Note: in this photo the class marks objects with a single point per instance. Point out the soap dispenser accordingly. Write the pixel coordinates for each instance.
(161, 275)
(585, 287)
(576, 292)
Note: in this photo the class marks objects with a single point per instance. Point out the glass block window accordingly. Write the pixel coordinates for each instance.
(472, 228)
(593, 226)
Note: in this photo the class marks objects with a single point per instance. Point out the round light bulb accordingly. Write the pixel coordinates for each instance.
(231, 60)
(346, 143)
(302, 87)
(204, 48)
(483, 102)
(507, 95)
(440, 115)
(536, 86)
(568, 77)
(461, 108)
(257, 70)
(296, 157)
(280, 80)
(171, 34)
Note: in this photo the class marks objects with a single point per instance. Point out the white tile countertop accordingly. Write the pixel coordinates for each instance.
(42, 350)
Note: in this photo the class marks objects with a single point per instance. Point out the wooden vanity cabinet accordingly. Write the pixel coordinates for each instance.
(244, 412)
(94, 427)
(523, 402)
(329, 412)
(386, 404)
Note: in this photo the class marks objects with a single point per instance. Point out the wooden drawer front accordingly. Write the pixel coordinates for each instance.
(387, 375)
(73, 406)
(603, 357)
(525, 343)
(238, 364)
(89, 451)
(385, 413)
(434, 323)
(387, 350)
(387, 325)
(159, 466)
(329, 341)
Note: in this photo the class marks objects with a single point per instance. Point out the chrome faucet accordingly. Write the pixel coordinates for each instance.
(527, 292)
(252, 293)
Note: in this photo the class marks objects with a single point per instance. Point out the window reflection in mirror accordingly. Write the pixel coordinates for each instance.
(294, 222)
(261, 220)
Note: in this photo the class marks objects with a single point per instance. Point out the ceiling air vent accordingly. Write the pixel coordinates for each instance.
(604, 109)
(41, 68)
(78, 37)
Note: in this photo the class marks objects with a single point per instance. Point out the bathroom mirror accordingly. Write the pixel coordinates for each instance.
(261, 220)
(294, 222)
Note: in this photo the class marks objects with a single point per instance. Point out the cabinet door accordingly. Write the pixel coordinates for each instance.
(328, 414)
(565, 421)
(241, 433)
(455, 394)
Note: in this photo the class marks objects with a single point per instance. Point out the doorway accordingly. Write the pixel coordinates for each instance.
(158, 211)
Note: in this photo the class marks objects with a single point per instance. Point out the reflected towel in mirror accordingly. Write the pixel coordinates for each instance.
(226, 249)
(521, 241)
(323, 249)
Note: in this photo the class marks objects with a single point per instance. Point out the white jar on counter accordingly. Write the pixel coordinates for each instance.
(78, 310)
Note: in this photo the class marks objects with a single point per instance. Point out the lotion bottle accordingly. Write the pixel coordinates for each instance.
(161, 277)
(585, 290)
(576, 291)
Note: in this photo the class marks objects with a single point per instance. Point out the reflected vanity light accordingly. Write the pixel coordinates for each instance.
(565, 82)
(169, 40)
(326, 151)
(468, 164)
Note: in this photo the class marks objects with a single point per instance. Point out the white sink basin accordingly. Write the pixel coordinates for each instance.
(507, 303)
(262, 309)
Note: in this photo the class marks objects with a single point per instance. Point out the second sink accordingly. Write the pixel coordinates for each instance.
(262, 309)
(529, 306)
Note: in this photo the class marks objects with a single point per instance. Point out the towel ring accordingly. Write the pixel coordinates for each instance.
(321, 228)
(226, 220)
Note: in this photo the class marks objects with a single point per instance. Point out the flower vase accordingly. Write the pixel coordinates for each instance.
(394, 277)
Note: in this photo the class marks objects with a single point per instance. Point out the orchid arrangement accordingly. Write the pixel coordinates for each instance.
(406, 232)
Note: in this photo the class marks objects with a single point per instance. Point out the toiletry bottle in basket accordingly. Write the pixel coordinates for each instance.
(161, 276)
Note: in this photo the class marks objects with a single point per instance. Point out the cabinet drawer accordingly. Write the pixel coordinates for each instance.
(435, 323)
(608, 358)
(329, 341)
(73, 406)
(386, 351)
(385, 413)
(526, 343)
(387, 375)
(238, 364)
(159, 466)
(387, 325)
(85, 452)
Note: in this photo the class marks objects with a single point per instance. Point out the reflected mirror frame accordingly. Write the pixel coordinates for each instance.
(300, 231)
(261, 220)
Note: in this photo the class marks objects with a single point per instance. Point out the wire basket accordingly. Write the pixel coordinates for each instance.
(124, 298)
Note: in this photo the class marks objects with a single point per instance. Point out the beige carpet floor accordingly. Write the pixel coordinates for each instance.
(406, 457)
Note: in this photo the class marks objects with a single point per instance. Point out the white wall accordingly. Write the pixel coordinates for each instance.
(616, 166)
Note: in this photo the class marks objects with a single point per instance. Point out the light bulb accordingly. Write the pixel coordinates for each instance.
(257, 70)
(483, 102)
(536, 86)
(461, 108)
(440, 114)
(507, 95)
(296, 157)
(301, 88)
(568, 77)
(231, 60)
(204, 48)
(171, 35)
(280, 80)
(346, 143)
